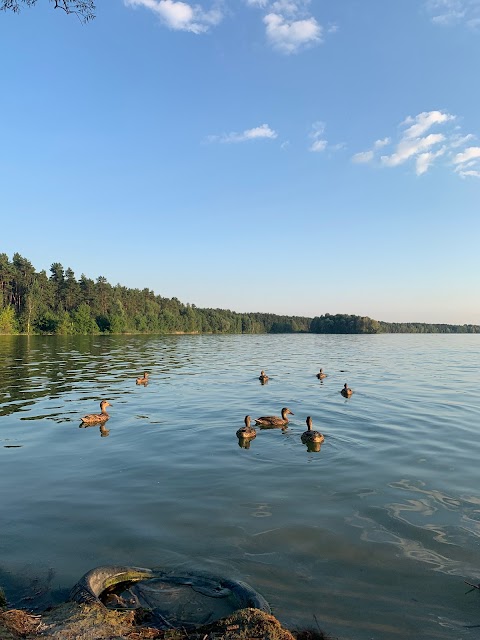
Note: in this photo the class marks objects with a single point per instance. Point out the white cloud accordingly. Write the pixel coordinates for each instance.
(284, 7)
(469, 154)
(464, 174)
(458, 140)
(363, 157)
(424, 160)
(452, 12)
(425, 121)
(319, 143)
(289, 25)
(181, 16)
(408, 148)
(291, 36)
(263, 131)
(418, 145)
(381, 143)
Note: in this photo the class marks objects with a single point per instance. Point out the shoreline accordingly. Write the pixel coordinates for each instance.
(73, 621)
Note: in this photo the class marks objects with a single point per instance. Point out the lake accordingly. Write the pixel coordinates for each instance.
(373, 535)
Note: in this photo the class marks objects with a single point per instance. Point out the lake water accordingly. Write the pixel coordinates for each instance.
(374, 534)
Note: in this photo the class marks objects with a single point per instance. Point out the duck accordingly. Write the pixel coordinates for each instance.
(143, 380)
(275, 421)
(247, 432)
(95, 418)
(263, 376)
(346, 391)
(310, 435)
(321, 375)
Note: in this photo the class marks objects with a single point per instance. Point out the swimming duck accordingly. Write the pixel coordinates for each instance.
(263, 376)
(95, 418)
(143, 380)
(310, 435)
(321, 375)
(346, 391)
(247, 432)
(275, 421)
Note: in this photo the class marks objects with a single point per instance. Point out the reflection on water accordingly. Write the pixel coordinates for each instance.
(312, 446)
(104, 432)
(373, 532)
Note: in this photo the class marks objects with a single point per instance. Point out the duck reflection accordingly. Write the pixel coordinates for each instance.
(104, 432)
(313, 446)
(244, 443)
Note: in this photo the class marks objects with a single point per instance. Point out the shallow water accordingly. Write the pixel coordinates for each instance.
(373, 535)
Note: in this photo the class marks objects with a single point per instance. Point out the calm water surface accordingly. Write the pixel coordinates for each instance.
(374, 534)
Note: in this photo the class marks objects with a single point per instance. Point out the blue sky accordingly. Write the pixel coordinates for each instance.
(293, 157)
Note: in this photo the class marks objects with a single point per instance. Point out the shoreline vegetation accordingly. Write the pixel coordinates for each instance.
(72, 621)
(58, 303)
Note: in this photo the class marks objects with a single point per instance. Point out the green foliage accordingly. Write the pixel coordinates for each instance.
(82, 320)
(47, 323)
(32, 302)
(343, 323)
(8, 322)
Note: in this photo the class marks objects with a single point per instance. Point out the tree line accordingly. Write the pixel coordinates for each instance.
(59, 303)
(34, 302)
(344, 323)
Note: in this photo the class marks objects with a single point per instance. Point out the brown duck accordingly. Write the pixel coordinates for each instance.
(321, 375)
(143, 380)
(310, 435)
(275, 421)
(346, 391)
(247, 432)
(95, 418)
(263, 376)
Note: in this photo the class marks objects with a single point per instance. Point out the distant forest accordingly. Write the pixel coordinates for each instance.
(58, 303)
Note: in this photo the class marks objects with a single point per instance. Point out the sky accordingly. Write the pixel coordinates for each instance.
(283, 156)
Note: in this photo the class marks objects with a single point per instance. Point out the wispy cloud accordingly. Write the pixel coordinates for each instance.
(368, 156)
(467, 163)
(418, 144)
(423, 122)
(452, 12)
(411, 148)
(181, 16)
(257, 133)
(319, 143)
(289, 26)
